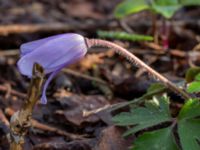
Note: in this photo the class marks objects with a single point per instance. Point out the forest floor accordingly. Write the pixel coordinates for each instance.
(100, 79)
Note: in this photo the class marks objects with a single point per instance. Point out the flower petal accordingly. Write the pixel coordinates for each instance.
(65, 49)
(44, 98)
(30, 46)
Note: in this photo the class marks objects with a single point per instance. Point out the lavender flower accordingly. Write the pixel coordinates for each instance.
(53, 54)
(56, 52)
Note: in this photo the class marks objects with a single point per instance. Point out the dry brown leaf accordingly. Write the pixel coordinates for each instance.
(75, 106)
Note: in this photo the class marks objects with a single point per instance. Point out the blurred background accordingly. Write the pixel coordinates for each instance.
(102, 78)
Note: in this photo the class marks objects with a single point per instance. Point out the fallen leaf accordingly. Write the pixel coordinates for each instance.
(75, 105)
(111, 139)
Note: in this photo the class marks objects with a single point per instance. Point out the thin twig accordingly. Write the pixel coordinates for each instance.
(57, 26)
(74, 73)
(125, 26)
(87, 113)
(9, 52)
(4, 88)
(44, 127)
(123, 104)
(30, 28)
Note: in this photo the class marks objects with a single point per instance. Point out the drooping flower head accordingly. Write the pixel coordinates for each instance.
(52, 53)
(56, 52)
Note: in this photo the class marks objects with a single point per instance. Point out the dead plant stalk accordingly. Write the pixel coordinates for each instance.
(21, 120)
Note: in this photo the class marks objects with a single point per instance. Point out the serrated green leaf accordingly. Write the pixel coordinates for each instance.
(191, 73)
(155, 112)
(124, 36)
(128, 7)
(194, 87)
(189, 133)
(161, 139)
(189, 125)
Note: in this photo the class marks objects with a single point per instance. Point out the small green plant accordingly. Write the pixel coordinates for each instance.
(158, 129)
(154, 112)
(166, 8)
(156, 126)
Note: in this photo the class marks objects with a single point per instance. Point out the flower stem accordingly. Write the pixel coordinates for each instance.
(165, 31)
(139, 63)
(21, 120)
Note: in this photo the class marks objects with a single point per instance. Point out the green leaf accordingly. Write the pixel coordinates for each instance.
(155, 112)
(166, 8)
(194, 87)
(128, 7)
(189, 133)
(154, 87)
(191, 73)
(191, 109)
(189, 125)
(197, 77)
(161, 139)
(190, 2)
(124, 36)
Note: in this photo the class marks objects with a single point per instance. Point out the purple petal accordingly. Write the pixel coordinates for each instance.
(44, 98)
(63, 49)
(30, 46)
